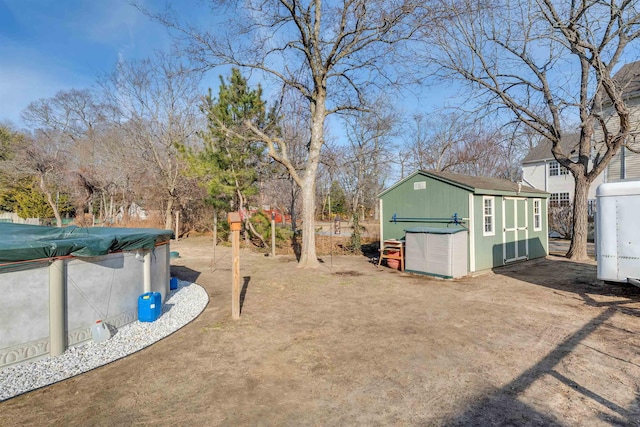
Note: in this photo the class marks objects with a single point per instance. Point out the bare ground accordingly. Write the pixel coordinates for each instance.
(536, 343)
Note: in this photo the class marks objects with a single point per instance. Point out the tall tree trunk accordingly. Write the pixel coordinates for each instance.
(292, 209)
(308, 257)
(168, 216)
(54, 207)
(578, 248)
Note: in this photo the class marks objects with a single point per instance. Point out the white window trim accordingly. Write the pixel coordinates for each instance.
(538, 203)
(555, 166)
(493, 216)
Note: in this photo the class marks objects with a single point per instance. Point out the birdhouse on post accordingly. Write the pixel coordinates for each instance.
(235, 223)
(233, 218)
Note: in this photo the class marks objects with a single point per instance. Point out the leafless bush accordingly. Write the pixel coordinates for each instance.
(561, 220)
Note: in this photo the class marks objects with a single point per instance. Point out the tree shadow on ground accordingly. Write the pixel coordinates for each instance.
(578, 278)
(243, 292)
(185, 273)
(504, 406)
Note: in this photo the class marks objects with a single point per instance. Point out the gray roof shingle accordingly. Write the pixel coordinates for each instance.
(474, 184)
(542, 151)
(627, 78)
(483, 182)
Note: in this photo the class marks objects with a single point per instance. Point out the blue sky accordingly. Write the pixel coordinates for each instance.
(47, 46)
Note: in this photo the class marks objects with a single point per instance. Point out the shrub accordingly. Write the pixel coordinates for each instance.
(561, 220)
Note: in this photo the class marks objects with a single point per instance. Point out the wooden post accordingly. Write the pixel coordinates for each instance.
(235, 224)
(273, 234)
(177, 223)
(215, 234)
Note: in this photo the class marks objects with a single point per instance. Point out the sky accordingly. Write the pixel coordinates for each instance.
(51, 45)
(47, 46)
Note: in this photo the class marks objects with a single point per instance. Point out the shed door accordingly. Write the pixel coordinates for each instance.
(515, 235)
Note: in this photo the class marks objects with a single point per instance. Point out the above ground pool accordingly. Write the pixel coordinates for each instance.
(55, 283)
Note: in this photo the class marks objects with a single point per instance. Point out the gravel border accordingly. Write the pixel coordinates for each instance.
(182, 306)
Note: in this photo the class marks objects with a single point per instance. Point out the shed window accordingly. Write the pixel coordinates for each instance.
(488, 215)
(555, 169)
(537, 215)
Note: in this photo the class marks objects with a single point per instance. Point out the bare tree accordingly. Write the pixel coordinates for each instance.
(335, 54)
(64, 128)
(155, 103)
(43, 157)
(546, 63)
(363, 166)
(293, 123)
(437, 140)
(458, 142)
(121, 173)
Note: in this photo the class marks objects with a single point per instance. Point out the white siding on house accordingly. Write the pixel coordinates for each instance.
(564, 184)
(625, 165)
(534, 175)
(614, 171)
(537, 175)
(632, 167)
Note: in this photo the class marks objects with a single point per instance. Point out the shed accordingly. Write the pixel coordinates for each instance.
(505, 221)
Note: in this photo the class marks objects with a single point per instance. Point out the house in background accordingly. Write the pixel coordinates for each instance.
(542, 171)
(501, 221)
(626, 163)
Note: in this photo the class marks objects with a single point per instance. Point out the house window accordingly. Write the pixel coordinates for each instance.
(537, 215)
(488, 215)
(555, 169)
(559, 199)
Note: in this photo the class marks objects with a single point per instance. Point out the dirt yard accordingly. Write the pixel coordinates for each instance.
(537, 343)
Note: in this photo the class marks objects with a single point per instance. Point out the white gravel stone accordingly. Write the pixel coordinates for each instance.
(182, 306)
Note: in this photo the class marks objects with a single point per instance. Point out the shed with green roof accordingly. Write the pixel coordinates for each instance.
(505, 221)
